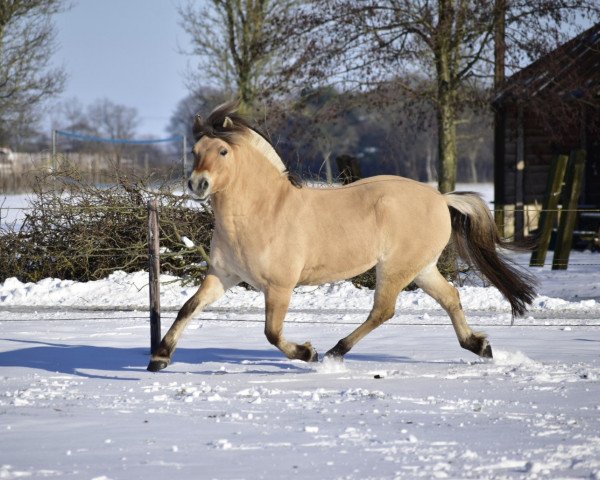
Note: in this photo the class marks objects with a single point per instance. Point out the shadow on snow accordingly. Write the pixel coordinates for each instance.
(89, 360)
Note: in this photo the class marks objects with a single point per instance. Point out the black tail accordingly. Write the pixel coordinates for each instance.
(476, 238)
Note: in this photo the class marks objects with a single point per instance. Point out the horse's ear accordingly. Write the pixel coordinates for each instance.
(227, 123)
(198, 127)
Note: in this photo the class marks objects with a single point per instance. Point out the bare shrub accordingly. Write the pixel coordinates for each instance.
(75, 230)
(78, 231)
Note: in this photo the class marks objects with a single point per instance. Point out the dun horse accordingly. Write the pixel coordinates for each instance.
(275, 235)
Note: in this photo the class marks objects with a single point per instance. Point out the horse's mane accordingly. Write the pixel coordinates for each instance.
(226, 123)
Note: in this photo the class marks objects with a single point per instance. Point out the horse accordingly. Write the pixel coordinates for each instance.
(274, 234)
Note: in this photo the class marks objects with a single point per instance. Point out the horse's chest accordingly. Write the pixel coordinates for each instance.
(244, 255)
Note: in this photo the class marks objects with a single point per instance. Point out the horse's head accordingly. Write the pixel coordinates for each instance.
(224, 135)
(213, 162)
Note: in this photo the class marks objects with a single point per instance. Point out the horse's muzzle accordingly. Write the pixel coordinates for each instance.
(200, 187)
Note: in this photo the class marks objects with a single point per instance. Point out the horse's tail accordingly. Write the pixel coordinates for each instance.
(476, 238)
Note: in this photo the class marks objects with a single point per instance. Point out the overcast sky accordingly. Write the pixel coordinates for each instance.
(126, 51)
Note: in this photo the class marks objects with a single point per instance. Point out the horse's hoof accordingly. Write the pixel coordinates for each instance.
(157, 365)
(338, 351)
(478, 344)
(486, 352)
(309, 354)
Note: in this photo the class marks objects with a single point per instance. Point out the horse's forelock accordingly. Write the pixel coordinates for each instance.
(224, 122)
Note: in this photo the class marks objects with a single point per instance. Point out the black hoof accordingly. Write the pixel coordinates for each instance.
(487, 352)
(157, 365)
(338, 352)
(307, 353)
(478, 344)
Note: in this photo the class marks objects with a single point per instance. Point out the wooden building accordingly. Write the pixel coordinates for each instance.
(549, 108)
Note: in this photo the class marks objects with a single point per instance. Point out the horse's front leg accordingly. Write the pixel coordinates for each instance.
(276, 306)
(212, 288)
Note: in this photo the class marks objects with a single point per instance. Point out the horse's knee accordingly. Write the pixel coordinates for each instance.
(189, 307)
(381, 315)
(451, 300)
(388, 313)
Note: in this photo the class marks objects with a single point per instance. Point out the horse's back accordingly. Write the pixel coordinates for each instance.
(358, 225)
(391, 199)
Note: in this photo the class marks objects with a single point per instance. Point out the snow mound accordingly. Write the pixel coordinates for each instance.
(504, 358)
(130, 290)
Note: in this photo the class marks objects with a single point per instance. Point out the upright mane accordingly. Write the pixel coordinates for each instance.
(226, 123)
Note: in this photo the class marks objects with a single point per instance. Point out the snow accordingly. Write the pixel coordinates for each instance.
(575, 291)
(12, 209)
(77, 402)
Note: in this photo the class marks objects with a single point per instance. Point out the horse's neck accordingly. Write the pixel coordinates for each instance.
(257, 189)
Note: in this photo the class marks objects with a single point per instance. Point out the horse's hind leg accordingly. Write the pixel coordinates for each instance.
(212, 289)
(433, 283)
(387, 291)
(276, 305)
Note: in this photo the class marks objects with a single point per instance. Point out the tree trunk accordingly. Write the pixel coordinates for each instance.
(447, 161)
(473, 166)
(446, 65)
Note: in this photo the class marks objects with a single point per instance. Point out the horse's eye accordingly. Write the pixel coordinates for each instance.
(223, 152)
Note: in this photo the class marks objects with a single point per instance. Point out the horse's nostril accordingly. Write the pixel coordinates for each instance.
(203, 184)
(190, 186)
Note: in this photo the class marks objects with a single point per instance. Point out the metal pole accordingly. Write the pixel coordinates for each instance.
(184, 157)
(154, 274)
(54, 150)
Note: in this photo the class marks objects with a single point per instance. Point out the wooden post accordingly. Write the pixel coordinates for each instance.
(499, 113)
(519, 173)
(549, 209)
(154, 274)
(564, 237)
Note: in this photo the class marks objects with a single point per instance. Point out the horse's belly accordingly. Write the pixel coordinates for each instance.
(318, 274)
(340, 258)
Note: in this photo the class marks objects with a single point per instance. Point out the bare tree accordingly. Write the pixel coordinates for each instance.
(113, 120)
(233, 41)
(104, 119)
(27, 41)
(361, 44)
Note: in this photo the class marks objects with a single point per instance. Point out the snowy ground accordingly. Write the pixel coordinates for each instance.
(408, 402)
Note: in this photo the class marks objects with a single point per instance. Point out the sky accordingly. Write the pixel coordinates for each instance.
(127, 51)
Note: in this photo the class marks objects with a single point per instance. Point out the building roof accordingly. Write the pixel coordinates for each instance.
(571, 71)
